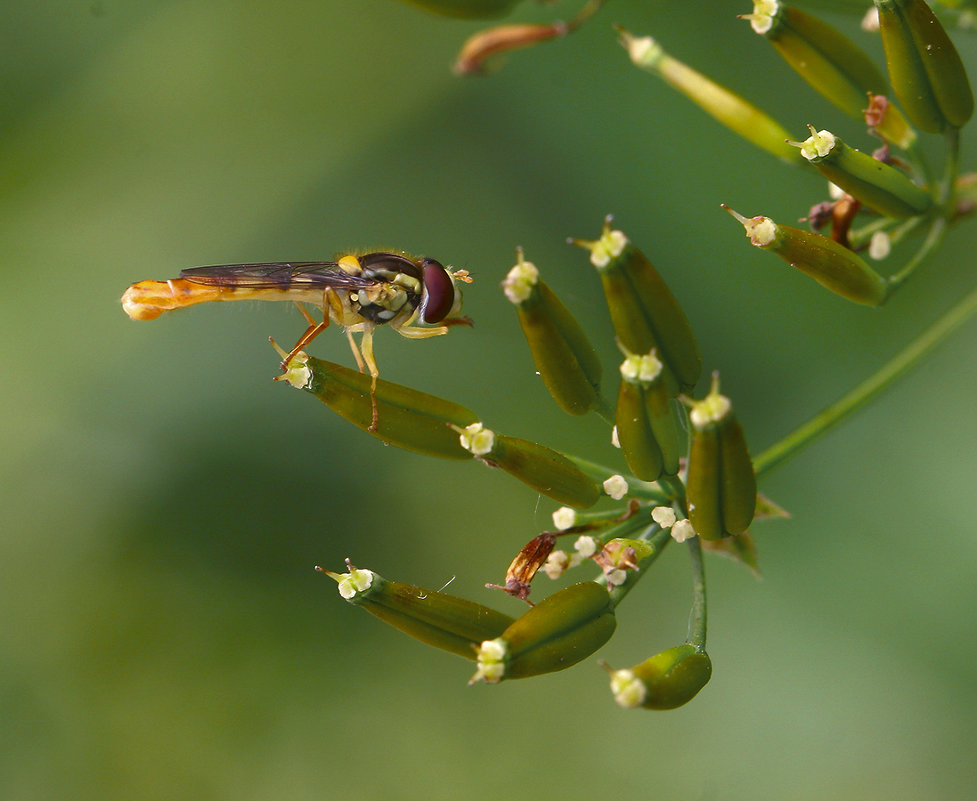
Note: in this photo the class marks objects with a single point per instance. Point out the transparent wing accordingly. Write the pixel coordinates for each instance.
(277, 275)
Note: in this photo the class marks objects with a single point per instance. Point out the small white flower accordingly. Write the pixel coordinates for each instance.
(879, 246)
(520, 281)
(629, 691)
(585, 546)
(664, 516)
(297, 373)
(556, 564)
(477, 439)
(615, 577)
(682, 531)
(491, 656)
(564, 518)
(870, 22)
(616, 487)
(354, 582)
(614, 440)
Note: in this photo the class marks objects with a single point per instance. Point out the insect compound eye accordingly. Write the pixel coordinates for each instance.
(439, 291)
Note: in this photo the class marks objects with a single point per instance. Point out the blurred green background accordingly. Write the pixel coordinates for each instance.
(163, 633)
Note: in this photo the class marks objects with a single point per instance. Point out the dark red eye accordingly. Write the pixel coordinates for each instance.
(439, 291)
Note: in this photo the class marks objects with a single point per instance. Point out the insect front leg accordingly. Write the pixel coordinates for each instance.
(412, 331)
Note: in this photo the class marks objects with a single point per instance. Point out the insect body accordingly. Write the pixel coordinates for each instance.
(417, 297)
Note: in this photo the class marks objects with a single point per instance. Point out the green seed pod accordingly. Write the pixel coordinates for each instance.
(925, 69)
(721, 485)
(830, 264)
(879, 186)
(558, 632)
(644, 312)
(829, 61)
(724, 106)
(405, 417)
(435, 618)
(648, 428)
(564, 357)
(545, 470)
(664, 681)
(466, 8)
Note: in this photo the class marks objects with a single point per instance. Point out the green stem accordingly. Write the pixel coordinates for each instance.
(868, 389)
(604, 410)
(918, 156)
(697, 621)
(951, 169)
(643, 490)
(931, 243)
(944, 197)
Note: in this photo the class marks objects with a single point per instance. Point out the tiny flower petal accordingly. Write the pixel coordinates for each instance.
(682, 531)
(556, 564)
(628, 690)
(880, 245)
(564, 518)
(478, 439)
(664, 516)
(616, 486)
(354, 582)
(615, 577)
(586, 546)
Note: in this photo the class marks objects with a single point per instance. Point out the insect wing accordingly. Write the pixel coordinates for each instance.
(277, 275)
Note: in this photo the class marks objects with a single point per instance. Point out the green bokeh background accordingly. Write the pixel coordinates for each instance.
(163, 633)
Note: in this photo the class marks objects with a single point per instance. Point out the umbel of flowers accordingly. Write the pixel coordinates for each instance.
(684, 473)
(689, 478)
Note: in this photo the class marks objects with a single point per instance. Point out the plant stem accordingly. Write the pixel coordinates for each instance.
(909, 357)
(697, 620)
(945, 200)
(645, 490)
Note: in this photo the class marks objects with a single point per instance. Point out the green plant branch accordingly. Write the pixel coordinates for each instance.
(944, 198)
(908, 358)
(697, 620)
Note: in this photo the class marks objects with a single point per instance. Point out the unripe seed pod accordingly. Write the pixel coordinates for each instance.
(435, 618)
(563, 355)
(829, 61)
(648, 428)
(545, 470)
(879, 186)
(466, 8)
(925, 69)
(558, 632)
(664, 681)
(405, 417)
(830, 264)
(726, 107)
(644, 312)
(721, 485)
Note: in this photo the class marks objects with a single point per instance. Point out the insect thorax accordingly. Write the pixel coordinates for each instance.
(398, 287)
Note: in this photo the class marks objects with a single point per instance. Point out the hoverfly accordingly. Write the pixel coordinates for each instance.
(356, 292)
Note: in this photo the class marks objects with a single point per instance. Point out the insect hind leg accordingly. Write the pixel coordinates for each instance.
(329, 301)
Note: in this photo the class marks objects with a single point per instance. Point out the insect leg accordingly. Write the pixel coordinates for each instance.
(364, 358)
(417, 332)
(311, 333)
(314, 328)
